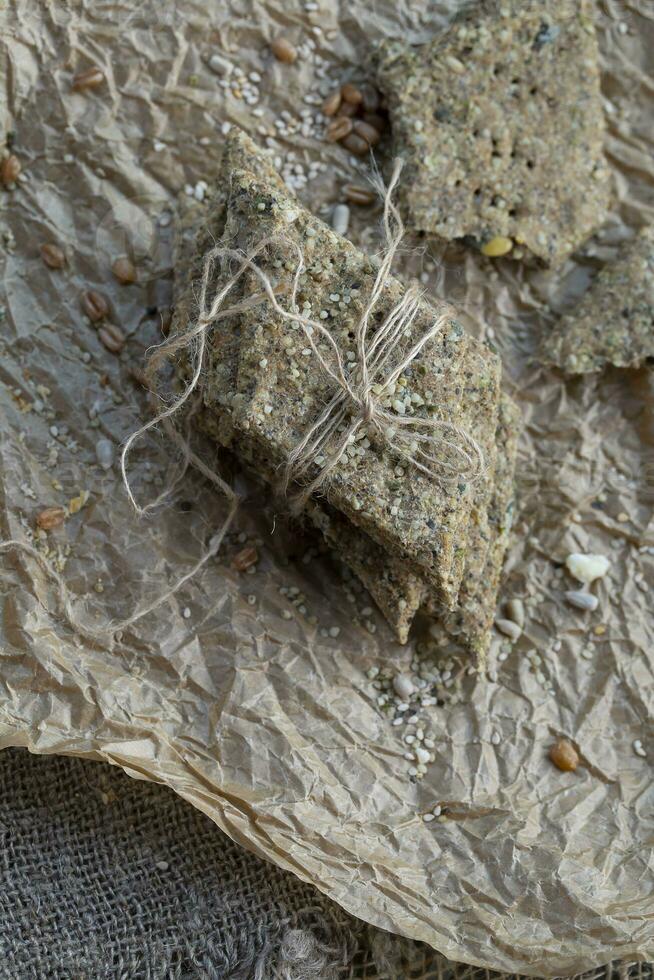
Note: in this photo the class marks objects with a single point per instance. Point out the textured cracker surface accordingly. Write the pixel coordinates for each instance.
(614, 322)
(473, 619)
(429, 515)
(237, 346)
(500, 122)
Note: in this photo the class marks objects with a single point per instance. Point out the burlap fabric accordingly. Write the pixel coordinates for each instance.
(106, 877)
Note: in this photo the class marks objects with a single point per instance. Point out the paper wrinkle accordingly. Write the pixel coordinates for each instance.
(263, 723)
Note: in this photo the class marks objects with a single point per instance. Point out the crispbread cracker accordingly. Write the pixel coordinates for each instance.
(500, 122)
(427, 515)
(614, 322)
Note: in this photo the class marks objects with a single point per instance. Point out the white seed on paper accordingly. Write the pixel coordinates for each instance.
(220, 66)
(104, 451)
(509, 628)
(341, 219)
(403, 685)
(582, 600)
(515, 610)
(587, 568)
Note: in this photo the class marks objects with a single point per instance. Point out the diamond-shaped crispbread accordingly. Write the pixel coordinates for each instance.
(454, 378)
(500, 122)
(394, 586)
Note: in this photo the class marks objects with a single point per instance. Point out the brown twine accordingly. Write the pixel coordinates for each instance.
(355, 403)
(359, 394)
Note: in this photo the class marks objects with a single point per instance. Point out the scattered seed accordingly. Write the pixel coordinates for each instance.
(220, 66)
(564, 755)
(245, 558)
(112, 337)
(283, 50)
(515, 610)
(509, 628)
(587, 568)
(428, 817)
(331, 104)
(186, 612)
(341, 219)
(637, 746)
(370, 98)
(366, 132)
(91, 78)
(338, 129)
(50, 518)
(11, 167)
(496, 738)
(356, 144)
(403, 685)
(352, 94)
(356, 194)
(104, 451)
(347, 109)
(497, 246)
(53, 256)
(75, 504)
(423, 755)
(94, 305)
(456, 66)
(124, 270)
(582, 600)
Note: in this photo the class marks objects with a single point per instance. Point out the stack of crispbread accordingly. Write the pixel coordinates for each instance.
(415, 542)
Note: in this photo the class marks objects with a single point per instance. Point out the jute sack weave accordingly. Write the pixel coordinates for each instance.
(105, 877)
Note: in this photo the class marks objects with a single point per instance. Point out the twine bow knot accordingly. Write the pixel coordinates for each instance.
(437, 448)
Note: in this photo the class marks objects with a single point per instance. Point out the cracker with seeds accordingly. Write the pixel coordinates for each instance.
(397, 589)
(614, 322)
(500, 122)
(414, 516)
(472, 620)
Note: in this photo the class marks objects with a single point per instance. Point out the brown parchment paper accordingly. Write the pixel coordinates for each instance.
(264, 723)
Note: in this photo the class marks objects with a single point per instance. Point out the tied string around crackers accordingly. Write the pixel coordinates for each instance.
(439, 449)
